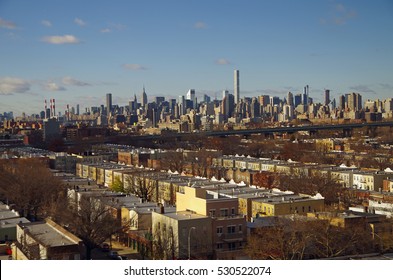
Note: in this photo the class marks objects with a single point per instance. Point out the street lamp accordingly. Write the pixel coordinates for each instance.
(189, 243)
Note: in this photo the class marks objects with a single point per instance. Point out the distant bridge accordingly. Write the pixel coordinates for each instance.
(292, 129)
(175, 136)
(268, 130)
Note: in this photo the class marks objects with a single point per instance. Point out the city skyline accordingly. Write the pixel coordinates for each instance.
(77, 54)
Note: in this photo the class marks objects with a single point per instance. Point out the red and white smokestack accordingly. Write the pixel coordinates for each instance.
(54, 108)
(51, 108)
(68, 112)
(46, 106)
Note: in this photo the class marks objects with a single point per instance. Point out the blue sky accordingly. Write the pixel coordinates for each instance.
(77, 51)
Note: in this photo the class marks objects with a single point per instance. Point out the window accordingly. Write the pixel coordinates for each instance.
(231, 229)
(224, 212)
(233, 211)
(212, 213)
(232, 246)
(240, 228)
(219, 245)
(219, 230)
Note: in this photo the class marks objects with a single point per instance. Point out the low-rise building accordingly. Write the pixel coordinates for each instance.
(182, 235)
(46, 241)
(228, 226)
(287, 204)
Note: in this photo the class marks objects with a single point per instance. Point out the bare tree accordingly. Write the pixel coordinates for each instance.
(137, 184)
(297, 239)
(201, 163)
(286, 240)
(333, 241)
(311, 185)
(174, 160)
(30, 186)
(91, 220)
(164, 245)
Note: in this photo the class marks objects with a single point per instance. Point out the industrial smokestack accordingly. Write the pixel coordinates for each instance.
(54, 109)
(68, 112)
(46, 105)
(51, 108)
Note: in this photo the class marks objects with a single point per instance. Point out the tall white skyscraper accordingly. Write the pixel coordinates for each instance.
(191, 96)
(236, 90)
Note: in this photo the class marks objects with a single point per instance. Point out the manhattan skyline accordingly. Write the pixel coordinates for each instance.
(78, 52)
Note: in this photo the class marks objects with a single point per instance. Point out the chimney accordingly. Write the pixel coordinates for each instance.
(51, 108)
(54, 108)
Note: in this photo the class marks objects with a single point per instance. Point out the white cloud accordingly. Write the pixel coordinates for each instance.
(200, 25)
(11, 85)
(340, 15)
(73, 82)
(79, 22)
(51, 86)
(135, 67)
(386, 86)
(223, 61)
(362, 89)
(7, 24)
(58, 40)
(46, 23)
(113, 27)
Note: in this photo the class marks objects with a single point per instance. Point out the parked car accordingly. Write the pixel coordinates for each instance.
(113, 255)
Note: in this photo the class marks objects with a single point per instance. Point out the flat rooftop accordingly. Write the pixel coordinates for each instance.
(9, 223)
(48, 235)
(185, 215)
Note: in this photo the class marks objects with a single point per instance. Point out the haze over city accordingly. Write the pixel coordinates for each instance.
(76, 52)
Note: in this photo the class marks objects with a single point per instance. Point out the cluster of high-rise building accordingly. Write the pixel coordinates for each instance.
(187, 113)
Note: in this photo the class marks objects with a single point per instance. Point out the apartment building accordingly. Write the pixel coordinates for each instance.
(287, 204)
(46, 241)
(228, 226)
(182, 235)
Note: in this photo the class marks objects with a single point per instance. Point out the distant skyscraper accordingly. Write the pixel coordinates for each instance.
(108, 103)
(191, 96)
(77, 109)
(264, 100)
(298, 99)
(341, 102)
(227, 104)
(159, 99)
(290, 99)
(274, 100)
(354, 101)
(327, 96)
(144, 98)
(236, 91)
(182, 105)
